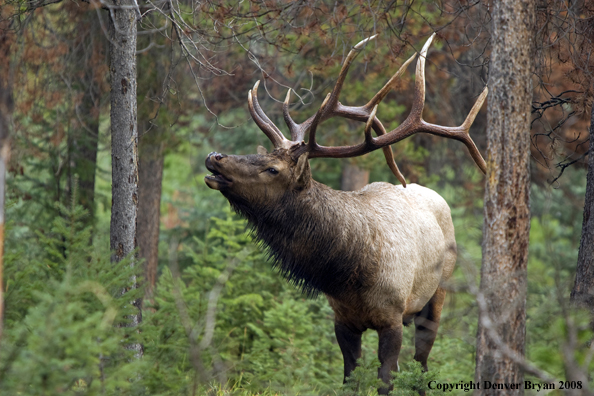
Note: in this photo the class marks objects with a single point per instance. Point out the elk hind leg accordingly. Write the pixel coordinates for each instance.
(426, 325)
(349, 340)
(390, 341)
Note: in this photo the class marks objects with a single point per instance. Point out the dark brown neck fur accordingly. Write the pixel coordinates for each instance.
(311, 241)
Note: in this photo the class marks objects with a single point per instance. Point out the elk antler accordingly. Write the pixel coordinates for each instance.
(331, 107)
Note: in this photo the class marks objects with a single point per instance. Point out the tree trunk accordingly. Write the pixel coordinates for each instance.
(124, 137)
(583, 289)
(353, 178)
(83, 139)
(149, 207)
(6, 106)
(501, 331)
(82, 144)
(6, 109)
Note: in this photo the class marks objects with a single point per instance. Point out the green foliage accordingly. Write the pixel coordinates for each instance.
(66, 316)
(409, 381)
(265, 335)
(412, 379)
(363, 380)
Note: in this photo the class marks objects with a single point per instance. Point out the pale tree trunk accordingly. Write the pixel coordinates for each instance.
(149, 207)
(124, 137)
(583, 290)
(353, 178)
(502, 298)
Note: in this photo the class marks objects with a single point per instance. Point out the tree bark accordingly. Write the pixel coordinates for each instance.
(83, 140)
(6, 110)
(353, 178)
(583, 290)
(6, 106)
(83, 146)
(124, 137)
(502, 320)
(149, 207)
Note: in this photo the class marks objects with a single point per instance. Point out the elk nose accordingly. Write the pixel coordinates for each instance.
(217, 156)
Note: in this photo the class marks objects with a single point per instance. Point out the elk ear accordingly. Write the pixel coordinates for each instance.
(261, 150)
(302, 172)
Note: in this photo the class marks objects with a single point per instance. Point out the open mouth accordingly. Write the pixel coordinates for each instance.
(216, 180)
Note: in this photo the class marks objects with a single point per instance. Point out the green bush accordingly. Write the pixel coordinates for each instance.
(66, 316)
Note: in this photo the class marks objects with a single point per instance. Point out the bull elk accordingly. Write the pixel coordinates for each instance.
(381, 255)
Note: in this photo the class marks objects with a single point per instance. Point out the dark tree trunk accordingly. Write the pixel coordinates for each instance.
(149, 207)
(353, 178)
(83, 148)
(5, 124)
(124, 136)
(6, 109)
(507, 194)
(583, 289)
(83, 140)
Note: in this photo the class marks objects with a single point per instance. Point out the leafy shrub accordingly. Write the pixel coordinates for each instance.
(363, 380)
(411, 380)
(65, 313)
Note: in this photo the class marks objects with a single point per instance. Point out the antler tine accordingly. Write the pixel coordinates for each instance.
(311, 143)
(261, 112)
(297, 133)
(392, 165)
(330, 104)
(262, 120)
(345, 68)
(465, 128)
(419, 99)
(369, 124)
(389, 85)
(475, 109)
(298, 130)
(380, 130)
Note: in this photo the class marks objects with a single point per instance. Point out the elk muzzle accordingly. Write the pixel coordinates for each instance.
(216, 181)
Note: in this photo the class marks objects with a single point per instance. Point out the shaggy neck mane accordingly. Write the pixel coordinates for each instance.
(309, 239)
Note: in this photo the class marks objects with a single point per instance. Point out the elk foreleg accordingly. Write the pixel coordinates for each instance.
(390, 341)
(349, 340)
(426, 325)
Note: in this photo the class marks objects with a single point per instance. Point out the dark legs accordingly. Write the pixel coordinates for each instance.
(349, 341)
(426, 325)
(390, 341)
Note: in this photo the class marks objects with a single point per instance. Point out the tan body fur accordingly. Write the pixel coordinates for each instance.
(413, 241)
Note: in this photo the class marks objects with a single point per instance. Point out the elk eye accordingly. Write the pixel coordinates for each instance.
(272, 171)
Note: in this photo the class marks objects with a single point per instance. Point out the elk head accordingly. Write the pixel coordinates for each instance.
(258, 179)
(266, 177)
